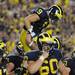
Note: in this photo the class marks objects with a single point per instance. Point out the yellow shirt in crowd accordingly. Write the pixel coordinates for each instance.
(10, 46)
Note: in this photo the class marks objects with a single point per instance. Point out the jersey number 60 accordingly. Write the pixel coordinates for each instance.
(44, 70)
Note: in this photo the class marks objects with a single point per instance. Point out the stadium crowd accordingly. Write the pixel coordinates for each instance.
(13, 12)
(12, 20)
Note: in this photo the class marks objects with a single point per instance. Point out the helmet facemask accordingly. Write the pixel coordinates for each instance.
(47, 46)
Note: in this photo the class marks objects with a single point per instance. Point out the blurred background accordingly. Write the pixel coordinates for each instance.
(13, 12)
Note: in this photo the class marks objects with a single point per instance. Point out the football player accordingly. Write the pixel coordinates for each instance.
(16, 60)
(46, 60)
(70, 63)
(36, 22)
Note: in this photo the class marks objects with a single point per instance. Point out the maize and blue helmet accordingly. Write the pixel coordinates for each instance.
(43, 38)
(55, 12)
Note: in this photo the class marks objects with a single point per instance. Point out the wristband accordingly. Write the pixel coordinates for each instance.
(30, 29)
(31, 44)
(41, 58)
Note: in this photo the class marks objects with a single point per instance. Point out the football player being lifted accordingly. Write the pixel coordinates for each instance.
(36, 23)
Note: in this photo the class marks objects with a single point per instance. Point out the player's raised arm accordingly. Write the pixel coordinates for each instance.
(31, 18)
(33, 66)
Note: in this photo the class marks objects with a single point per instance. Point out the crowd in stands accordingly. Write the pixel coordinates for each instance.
(13, 12)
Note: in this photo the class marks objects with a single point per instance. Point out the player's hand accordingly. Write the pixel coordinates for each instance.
(45, 54)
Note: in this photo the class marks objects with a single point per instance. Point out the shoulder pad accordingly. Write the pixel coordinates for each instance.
(33, 55)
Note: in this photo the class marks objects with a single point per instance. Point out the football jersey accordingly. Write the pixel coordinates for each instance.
(50, 64)
(37, 26)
